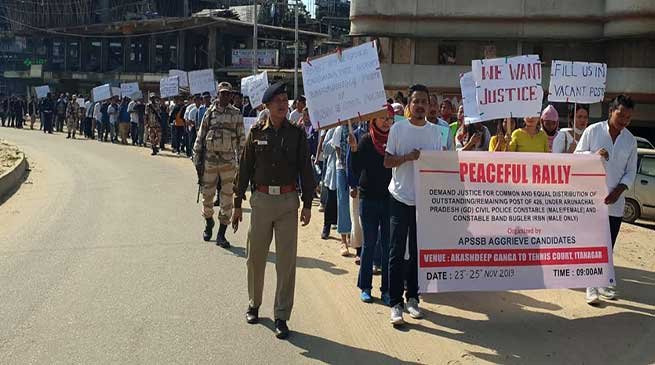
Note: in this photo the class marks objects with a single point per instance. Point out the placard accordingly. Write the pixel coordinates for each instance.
(469, 98)
(130, 89)
(254, 87)
(248, 123)
(182, 75)
(102, 92)
(202, 81)
(80, 102)
(508, 87)
(169, 87)
(42, 91)
(577, 82)
(344, 86)
(116, 91)
(509, 221)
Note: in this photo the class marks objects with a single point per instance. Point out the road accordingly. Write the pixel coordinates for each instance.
(102, 260)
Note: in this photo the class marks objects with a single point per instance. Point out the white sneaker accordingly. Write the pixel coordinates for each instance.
(608, 293)
(413, 309)
(397, 315)
(592, 296)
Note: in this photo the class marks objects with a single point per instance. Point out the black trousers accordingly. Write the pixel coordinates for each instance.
(615, 227)
(330, 213)
(403, 225)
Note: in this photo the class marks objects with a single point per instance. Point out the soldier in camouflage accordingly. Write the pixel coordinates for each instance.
(221, 136)
(72, 116)
(153, 122)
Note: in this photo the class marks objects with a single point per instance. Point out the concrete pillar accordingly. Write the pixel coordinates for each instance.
(211, 47)
(181, 48)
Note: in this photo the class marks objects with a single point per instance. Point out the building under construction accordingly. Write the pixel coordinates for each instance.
(74, 45)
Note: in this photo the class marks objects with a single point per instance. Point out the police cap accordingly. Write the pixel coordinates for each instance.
(273, 90)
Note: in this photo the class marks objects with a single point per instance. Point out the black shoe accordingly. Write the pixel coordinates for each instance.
(209, 226)
(252, 315)
(69, 136)
(222, 241)
(281, 329)
(326, 233)
(217, 203)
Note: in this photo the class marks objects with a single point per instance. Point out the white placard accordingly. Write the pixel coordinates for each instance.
(344, 86)
(577, 82)
(80, 102)
(116, 91)
(265, 57)
(169, 86)
(202, 81)
(130, 89)
(469, 98)
(248, 123)
(508, 87)
(254, 88)
(182, 75)
(511, 221)
(42, 91)
(102, 92)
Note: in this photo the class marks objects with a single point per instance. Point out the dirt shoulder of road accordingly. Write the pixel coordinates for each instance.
(10, 155)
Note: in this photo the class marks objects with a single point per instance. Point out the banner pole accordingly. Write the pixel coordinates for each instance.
(575, 110)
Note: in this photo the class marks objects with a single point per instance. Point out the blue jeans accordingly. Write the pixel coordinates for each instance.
(344, 226)
(375, 226)
(403, 226)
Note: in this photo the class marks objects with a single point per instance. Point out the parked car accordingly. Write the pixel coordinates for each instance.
(644, 143)
(640, 198)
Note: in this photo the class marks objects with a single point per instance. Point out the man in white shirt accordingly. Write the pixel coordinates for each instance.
(191, 117)
(134, 121)
(406, 140)
(97, 118)
(112, 110)
(618, 147)
(296, 114)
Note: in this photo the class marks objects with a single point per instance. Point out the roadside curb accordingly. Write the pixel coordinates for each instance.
(12, 179)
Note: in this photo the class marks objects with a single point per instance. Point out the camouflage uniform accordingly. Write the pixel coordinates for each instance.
(153, 115)
(222, 132)
(72, 117)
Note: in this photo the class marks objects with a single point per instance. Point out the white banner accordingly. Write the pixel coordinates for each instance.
(169, 87)
(201, 81)
(102, 92)
(265, 57)
(507, 221)
(344, 86)
(469, 98)
(577, 82)
(182, 75)
(131, 90)
(508, 87)
(42, 91)
(254, 88)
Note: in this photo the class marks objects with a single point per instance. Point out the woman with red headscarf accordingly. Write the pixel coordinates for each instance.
(368, 168)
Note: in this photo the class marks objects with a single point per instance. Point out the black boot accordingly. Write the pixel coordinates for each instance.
(209, 226)
(154, 151)
(220, 238)
(69, 135)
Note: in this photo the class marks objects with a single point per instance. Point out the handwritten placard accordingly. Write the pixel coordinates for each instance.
(182, 75)
(508, 87)
(344, 86)
(469, 98)
(254, 88)
(102, 92)
(577, 82)
(202, 81)
(131, 90)
(42, 91)
(169, 86)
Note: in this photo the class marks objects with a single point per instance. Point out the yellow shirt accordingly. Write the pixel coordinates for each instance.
(496, 146)
(523, 142)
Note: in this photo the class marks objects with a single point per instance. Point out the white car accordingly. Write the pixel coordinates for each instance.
(644, 143)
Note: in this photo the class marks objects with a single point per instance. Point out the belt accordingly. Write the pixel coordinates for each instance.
(276, 190)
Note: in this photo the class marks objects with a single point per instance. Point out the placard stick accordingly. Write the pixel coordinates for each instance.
(575, 111)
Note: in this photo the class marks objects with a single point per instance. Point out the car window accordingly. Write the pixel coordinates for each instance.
(644, 144)
(647, 166)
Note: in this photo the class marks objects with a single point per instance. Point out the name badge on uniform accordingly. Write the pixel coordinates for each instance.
(261, 143)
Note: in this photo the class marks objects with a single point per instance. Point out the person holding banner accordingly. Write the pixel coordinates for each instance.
(473, 137)
(618, 147)
(373, 183)
(406, 140)
(567, 140)
(500, 142)
(529, 138)
(550, 124)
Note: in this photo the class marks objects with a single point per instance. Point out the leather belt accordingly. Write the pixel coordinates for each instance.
(276, 190)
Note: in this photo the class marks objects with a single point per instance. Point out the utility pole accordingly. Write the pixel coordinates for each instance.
(255, 59)
(295, 58)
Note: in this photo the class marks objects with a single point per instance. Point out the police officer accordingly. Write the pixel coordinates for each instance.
(221, 137)
(276, 154)
(153, 122)
(72, 116)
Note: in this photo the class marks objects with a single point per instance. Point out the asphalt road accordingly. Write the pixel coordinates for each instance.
(102, 261)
